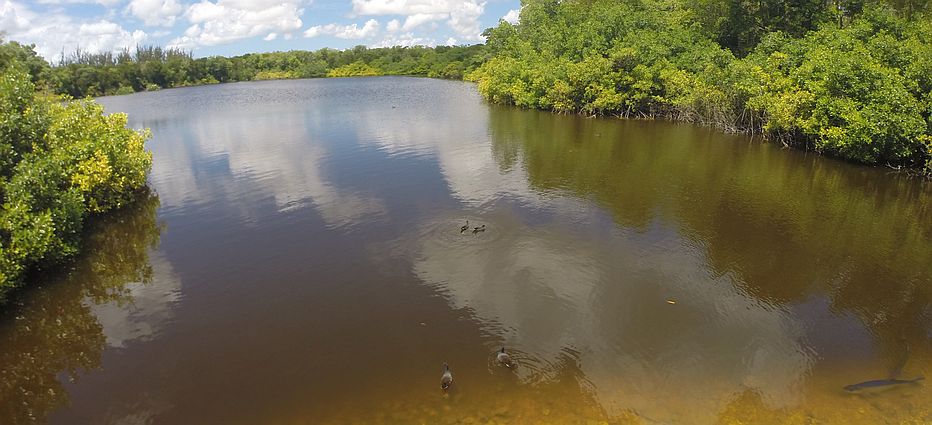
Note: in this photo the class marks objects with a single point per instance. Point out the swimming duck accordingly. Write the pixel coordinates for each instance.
(465, 227)
(504, 359)
(479, 229)
(446, 380)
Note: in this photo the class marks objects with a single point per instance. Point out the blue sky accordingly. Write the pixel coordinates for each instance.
(232, 27)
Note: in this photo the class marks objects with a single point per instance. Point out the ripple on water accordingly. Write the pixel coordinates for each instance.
(446, 232)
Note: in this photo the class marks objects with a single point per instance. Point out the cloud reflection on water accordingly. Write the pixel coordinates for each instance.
(145, 309)
(586, 244)
(605, 299)
(549, 291)
(243, 154)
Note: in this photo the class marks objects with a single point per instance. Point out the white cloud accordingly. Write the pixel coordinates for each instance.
(407, 39)
(102, 36)
(417, 19)
(464, 19)
(11, 18)
(225, 21)
(100, 2)
(512, 16)
(462, 16)
(197, 23)
(155, 12)
(53, 33)
(369, 29)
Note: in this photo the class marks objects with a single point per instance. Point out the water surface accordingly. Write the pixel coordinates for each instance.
(301, 262)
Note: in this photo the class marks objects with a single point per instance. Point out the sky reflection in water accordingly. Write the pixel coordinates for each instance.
(311, 243)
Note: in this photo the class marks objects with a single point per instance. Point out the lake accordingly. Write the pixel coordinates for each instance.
(301, 261)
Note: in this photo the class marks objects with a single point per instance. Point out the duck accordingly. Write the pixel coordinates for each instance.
(479, 229)
(465, 227)
(504, 359)
(446, 380)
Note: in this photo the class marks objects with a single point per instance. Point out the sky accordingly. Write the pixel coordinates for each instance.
(234, 27)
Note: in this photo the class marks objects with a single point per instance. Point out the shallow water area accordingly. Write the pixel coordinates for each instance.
(301, 261)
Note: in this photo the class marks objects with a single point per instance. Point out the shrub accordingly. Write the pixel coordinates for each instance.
(862, 92)
(355, 69)
(275, 75)
(124, 90)
(62, 160)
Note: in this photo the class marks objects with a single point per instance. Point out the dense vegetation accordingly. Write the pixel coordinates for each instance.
(851, 79)
(59, 162)
(151, 68)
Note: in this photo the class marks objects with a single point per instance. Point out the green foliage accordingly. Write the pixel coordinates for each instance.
(855, 92)
(274, 75)
(851, 78)
(740, 25)
(124, 90)
(862, 92)
(355, 69)
(61, 161)
(152, 68)
(26, 58)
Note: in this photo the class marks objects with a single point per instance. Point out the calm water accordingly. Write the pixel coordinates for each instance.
(302, 263)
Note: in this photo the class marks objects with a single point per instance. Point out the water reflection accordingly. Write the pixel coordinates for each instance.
(56, 332)
(240, 151)
(450, 130)
(640, 272)
(782, 228)
(545, 290)
(147, 309)
(778, 235)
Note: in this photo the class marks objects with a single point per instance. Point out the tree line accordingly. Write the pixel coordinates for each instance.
(145, 68)
(849, 78)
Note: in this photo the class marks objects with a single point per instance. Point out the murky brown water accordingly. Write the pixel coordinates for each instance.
(302, 263)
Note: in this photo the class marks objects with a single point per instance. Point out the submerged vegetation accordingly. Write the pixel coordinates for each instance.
(59, 163)
(850, 79)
